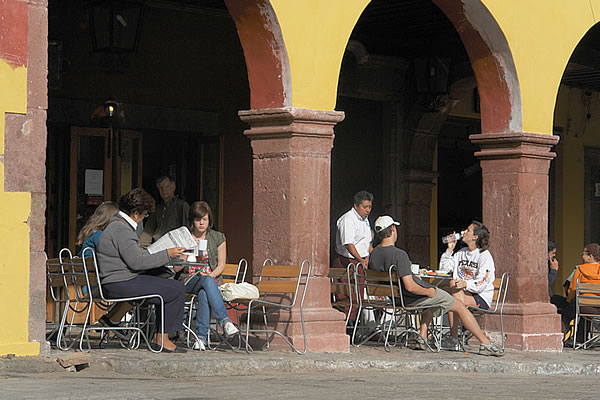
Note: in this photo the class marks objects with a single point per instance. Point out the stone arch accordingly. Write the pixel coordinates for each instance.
(492, 64)
(265, 53)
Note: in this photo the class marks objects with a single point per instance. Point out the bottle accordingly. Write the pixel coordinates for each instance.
(452, 236)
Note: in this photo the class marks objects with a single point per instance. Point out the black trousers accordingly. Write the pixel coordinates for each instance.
(172, 292)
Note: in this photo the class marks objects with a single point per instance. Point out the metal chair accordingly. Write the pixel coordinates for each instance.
(58, 289)
(234, 273)
(587, 307)
(279, 287)
(343, 291)
(407, 325)
(497, 307)
(136, 324)
(377, 294)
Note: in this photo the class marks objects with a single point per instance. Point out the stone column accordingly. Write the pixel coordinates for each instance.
(515, 209)
(291, 151)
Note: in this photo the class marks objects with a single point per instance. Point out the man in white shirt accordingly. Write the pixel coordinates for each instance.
(354, 237)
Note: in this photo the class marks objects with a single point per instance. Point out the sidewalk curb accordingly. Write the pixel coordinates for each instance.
(205, 365)
(202, 367)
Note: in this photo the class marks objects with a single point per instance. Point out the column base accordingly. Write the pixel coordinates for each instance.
(528, 327)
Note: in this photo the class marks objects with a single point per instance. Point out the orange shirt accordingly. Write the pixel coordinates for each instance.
(586, 273)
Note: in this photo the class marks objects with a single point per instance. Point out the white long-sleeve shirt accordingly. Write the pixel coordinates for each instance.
(475, 267)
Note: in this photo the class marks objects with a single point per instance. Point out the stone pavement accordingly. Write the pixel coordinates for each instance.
(365, 358)
(364, 384)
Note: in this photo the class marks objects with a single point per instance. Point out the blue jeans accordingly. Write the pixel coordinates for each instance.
(209, 299)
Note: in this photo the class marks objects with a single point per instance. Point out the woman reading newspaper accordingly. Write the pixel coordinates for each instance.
(203, 277)
(124, 266)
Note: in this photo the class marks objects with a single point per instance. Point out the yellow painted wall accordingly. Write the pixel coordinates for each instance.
(578, 133)
(14, 232)
(542, 35)
(316, 33)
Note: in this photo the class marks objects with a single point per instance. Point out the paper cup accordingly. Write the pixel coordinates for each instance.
(414, 268)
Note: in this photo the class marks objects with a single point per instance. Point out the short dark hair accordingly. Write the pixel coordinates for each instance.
(198, 210)
(483, 235)
(361, 196)
(594, 250)
(162, 178)
(385, 233)
(136, 200)
(551, 245)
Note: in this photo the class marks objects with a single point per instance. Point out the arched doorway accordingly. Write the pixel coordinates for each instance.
(574, 201)
(176, 91)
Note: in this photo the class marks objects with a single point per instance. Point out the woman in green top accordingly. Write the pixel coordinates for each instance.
(202, 280)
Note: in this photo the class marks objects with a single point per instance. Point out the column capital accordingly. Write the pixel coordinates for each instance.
(514, 145)
(287, 122)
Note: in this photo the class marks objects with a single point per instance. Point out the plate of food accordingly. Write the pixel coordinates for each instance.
(437, 273)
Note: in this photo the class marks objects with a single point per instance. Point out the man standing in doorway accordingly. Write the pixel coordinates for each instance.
(353, 238)
(170, 214)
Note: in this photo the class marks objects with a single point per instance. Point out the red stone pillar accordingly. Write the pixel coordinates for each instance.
(291, 151)
(515, 209)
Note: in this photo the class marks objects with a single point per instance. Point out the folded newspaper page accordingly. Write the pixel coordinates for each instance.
(180, 237)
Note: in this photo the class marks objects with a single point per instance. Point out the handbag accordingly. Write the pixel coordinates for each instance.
(232, 291)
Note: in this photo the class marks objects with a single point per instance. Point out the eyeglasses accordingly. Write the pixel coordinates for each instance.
(586, 253)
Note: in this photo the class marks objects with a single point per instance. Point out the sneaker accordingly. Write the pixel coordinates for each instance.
(490, 350)
(230, 329)
(200, 344)
(450, 343)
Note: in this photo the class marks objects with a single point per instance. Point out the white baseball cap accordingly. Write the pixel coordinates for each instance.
(383, 222)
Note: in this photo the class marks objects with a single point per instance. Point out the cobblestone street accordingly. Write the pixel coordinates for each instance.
(88, 384)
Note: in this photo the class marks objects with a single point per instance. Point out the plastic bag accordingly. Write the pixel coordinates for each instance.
(244, 290)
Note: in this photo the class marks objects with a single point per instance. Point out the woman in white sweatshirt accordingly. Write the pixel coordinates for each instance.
(472, 269)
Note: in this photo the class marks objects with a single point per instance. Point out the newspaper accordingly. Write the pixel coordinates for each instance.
(180, 237)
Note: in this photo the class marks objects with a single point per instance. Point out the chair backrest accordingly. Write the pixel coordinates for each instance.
(284, 279)
(92, 274)
(342, 281)
(500, 290)
(588, 294)
(56, 278)
(376, 283)
(75, 272)
(235, 273)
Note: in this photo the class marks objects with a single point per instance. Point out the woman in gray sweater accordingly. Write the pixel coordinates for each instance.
(124, 266)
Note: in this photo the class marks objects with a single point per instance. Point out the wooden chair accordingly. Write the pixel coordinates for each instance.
(343, 290)
(280, 287)
(497, 307)
(380, 295)
(587, 307)
(58, 289)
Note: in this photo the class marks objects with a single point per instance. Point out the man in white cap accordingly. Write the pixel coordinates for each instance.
(416, 292)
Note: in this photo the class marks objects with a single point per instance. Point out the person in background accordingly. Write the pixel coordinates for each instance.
(170, 214)
(473, 274)
(588, 272)
(559, 301)
(204, 279)
(123, 266)
(552, 265)
(88, 238)
(96, 223)
(353, 239)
